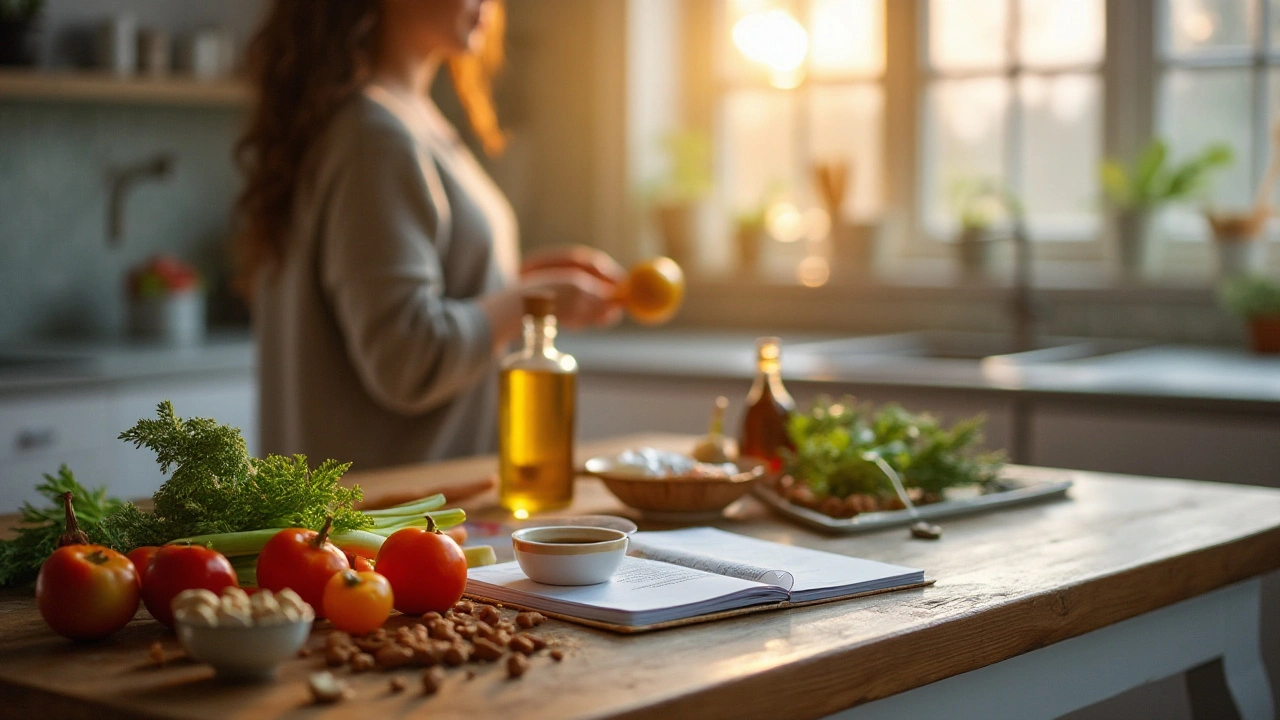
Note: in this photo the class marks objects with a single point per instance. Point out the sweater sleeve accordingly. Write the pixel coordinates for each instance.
(413, 348)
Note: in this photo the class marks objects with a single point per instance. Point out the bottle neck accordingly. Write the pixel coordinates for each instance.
(540, 334)
(768, 382)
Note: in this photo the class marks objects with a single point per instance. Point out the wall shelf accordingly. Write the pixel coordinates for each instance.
(100, 87)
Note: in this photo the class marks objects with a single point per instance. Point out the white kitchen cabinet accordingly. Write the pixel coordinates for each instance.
(40, 430)
(1218, 446)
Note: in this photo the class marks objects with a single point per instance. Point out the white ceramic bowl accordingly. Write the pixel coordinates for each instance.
(569, 555)
(244, 653)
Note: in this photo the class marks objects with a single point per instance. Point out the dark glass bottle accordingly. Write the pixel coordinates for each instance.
(769, 406)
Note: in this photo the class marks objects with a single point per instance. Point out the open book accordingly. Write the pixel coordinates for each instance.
(683, 574)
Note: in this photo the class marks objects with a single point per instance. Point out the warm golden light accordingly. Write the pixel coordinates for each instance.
(813, 271)
(775, 40)
(521, 514)
(785, 222)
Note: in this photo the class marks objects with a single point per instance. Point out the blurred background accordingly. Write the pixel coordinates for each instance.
(1057, 213)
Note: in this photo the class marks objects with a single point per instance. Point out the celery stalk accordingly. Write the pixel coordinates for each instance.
(359, 542)
(480, 555)
(416, 507)
(249, 542)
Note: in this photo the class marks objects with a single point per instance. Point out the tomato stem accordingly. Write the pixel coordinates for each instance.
(431, 525)
(323, 537)
(72, 535)
(351, 578)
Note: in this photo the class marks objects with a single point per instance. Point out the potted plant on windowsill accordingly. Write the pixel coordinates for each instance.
(1238, 235)
(978, 204)
(19, 20)
(1257, 300)
(1134, 194)
(678, 198)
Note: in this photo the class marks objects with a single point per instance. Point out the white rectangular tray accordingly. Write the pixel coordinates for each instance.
(1025, 488)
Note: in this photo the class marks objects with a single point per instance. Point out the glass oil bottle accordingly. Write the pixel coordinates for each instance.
(769, 407)
(538, 395)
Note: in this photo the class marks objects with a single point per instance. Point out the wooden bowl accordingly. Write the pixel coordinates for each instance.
(674, 494)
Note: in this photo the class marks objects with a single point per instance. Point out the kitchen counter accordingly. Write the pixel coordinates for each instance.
(58, 365)
(1211, 377)
(1036, 611)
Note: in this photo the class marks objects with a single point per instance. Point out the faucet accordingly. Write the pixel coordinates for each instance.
(1022, 304)
(119, 180)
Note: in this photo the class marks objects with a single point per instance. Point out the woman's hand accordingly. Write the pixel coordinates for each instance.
(582, 300)
(596, 263)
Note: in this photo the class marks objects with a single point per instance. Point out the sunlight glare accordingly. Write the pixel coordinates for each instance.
(776, 40)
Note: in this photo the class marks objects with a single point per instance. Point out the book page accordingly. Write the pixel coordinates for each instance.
(815, 572)
(639, 586)
(689, 558)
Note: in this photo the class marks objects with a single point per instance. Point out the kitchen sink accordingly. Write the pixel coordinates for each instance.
(948, 345)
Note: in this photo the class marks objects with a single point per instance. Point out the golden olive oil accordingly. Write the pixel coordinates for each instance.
(538, 394)
(536, 436)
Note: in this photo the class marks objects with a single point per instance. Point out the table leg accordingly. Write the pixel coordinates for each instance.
(1241, 671)
(1219, 626)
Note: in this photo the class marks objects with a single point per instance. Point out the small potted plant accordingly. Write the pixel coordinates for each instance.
(1134, 194)
(678, 198)
(1238, 235)
(1257, 300)
(18, 25)
(166, 302)
(978, 204)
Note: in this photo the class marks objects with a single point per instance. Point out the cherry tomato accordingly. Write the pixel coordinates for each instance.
(141, 558)
(86, 592)
(358, 563)
(357, 602)
(303, 560)
(175, 568)
(426, 568)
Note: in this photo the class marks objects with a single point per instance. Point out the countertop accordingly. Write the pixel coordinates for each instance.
(70, 364)
(1008, 583)
(1233, 377)
(1228, 378)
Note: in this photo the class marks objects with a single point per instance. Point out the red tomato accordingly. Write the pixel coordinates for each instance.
(357, 602)
(357, 562)
(141, 558)
(303, 560)
(86, 592)
(426, 568)
(175, 568)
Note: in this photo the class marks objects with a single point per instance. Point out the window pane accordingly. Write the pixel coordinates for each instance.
(1061, 32)
(1062, 125)
(968, 34)
(732, 63)
(965, 129)
(1199, 27)
(1204, 107)
(1275, 27)
(847, 37)
(758, 146)
(845, 126)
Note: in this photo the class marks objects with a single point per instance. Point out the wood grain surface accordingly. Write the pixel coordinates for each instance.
(1007, 583)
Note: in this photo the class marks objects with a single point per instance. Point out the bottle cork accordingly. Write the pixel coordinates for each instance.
(539, 304)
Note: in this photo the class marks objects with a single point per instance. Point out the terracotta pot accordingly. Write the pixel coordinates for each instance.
(1264, 334)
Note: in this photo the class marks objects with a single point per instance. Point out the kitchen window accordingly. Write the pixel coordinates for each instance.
(920, 96)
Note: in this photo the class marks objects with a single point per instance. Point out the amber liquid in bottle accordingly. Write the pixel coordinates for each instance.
(769, 406)
(538, 392)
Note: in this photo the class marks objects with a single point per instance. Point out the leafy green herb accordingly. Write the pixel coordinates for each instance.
(21, 557)
(836, 441)
(1251, 297)
(1153, 180)
(216, 487)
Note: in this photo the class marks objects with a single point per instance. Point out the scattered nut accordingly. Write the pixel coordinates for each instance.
(429, 653)
(530, 619)
(464, 606)
(337, 638)
(925, 531)
(370, 644)
(432, 679)
(470, 675)
(557, 655)
(397, 684)
(327, 689)
(363, 662)
(432, 615)
(538, 641)
(521, 644)
(487, 650)
(490, 614)
(457, 654)
(339, 655)
(156, 653)
(304, 652)
(517, 665)
(393, 656)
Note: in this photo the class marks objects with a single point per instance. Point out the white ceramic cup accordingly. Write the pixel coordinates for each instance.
(569, 555)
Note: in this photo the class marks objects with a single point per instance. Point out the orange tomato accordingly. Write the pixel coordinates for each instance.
(653, 291)
(87, 592)
(357, 602)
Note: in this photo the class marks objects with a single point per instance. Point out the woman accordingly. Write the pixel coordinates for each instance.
(384, 260)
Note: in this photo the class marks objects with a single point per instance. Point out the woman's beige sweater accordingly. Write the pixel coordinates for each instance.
(371, 347)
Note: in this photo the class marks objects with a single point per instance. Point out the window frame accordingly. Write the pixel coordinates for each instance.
(1132, 74)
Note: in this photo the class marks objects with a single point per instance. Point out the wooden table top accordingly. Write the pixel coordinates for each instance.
(1007, 582)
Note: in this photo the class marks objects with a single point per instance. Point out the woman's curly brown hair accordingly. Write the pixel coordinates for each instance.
(308, 58)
